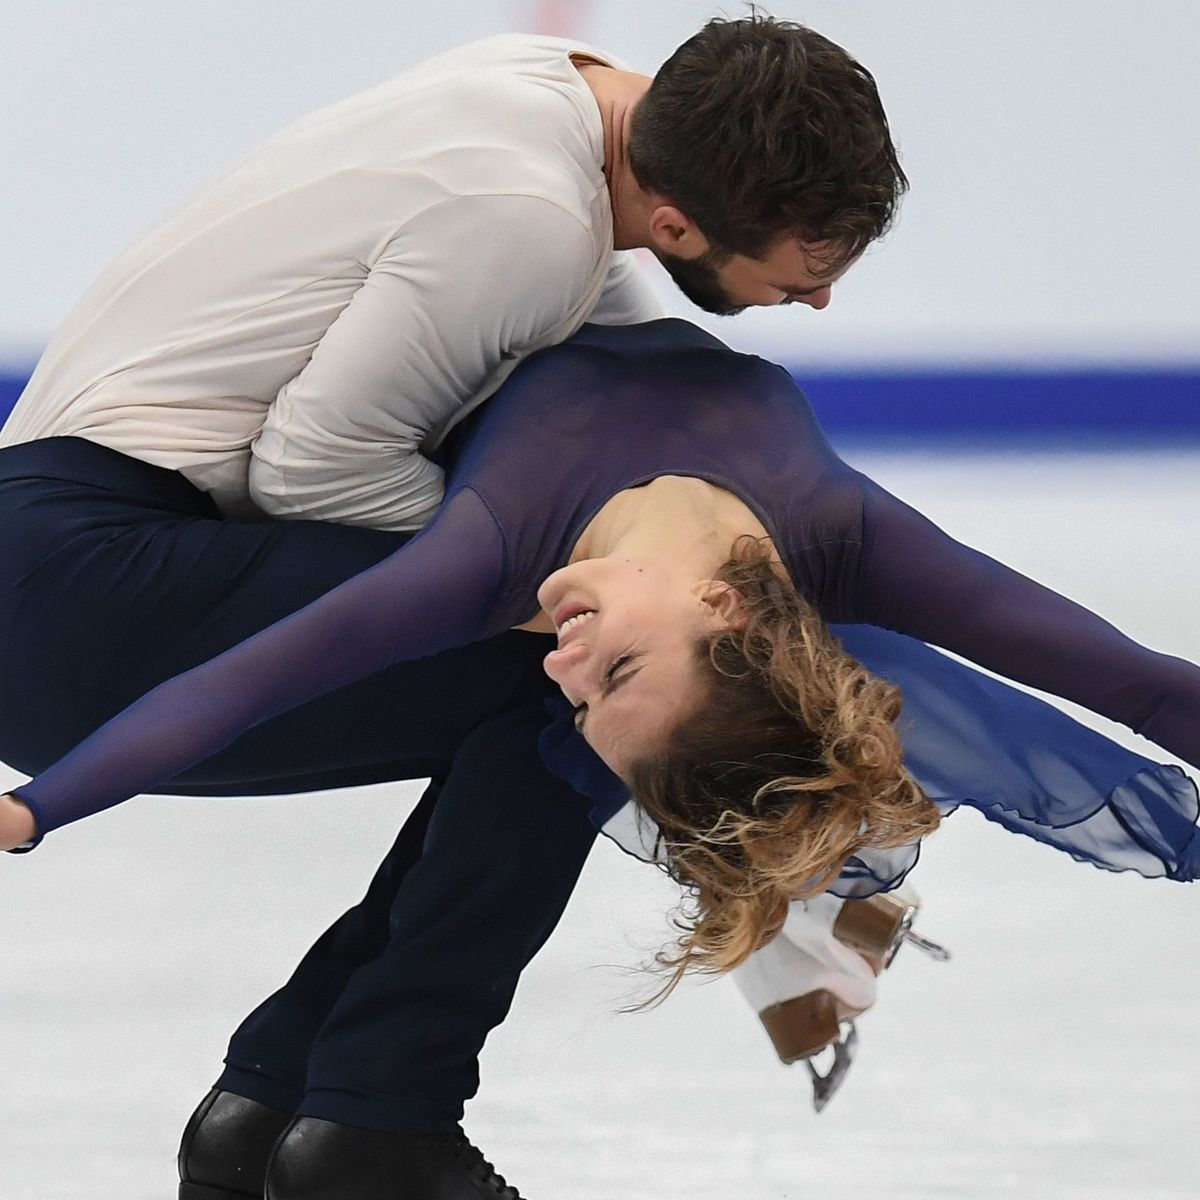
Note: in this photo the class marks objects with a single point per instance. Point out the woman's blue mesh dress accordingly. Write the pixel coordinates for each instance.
(615, 407)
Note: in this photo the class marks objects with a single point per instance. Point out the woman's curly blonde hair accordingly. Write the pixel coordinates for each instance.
(789, 764)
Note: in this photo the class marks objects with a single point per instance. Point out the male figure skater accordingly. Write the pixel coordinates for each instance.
(296, 343)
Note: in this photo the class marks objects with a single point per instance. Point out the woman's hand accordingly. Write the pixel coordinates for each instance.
(17, 825)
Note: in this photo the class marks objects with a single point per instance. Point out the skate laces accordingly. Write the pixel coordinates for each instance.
(480, 1169)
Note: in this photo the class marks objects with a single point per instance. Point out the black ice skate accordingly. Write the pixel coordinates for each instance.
(226, 1147)
(322, 1160)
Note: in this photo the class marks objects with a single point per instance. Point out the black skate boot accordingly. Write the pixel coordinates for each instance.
(321, 1160)
(226, 1147)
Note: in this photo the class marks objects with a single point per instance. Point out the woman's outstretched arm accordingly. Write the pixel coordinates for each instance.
(435, 593)
(918, 580)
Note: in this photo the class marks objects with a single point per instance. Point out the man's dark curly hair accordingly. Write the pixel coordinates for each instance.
(759, 129)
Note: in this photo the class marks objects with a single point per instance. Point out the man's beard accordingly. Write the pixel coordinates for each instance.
(698, 280)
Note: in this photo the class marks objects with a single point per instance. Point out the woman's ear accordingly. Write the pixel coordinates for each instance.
(723, 603)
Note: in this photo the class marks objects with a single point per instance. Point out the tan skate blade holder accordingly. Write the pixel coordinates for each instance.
(802, 1027)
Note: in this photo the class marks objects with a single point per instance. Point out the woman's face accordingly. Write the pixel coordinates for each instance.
(626, 656)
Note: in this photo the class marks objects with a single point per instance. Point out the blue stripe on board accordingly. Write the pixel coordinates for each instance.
(1011, 404)
(996, 405)
(10, 388)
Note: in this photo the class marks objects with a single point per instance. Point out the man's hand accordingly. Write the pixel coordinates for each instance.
(17, 825)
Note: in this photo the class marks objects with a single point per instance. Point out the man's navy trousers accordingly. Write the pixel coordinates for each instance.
(118, 575)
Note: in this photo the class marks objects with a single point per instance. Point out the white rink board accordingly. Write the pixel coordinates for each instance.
(1056, 1058)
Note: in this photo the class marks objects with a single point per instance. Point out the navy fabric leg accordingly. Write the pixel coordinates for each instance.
(268, 1055)
(503, 850)
(119, 575)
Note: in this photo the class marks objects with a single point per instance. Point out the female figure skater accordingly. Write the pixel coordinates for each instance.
(618, 518)
(613, 524)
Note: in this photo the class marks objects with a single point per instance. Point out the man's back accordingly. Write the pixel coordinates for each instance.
(210, 328)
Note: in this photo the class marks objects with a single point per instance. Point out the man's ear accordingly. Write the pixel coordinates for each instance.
(673, 232)
(723, 602)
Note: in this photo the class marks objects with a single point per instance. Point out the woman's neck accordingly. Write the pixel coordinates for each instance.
(672, 520)
(675, 521)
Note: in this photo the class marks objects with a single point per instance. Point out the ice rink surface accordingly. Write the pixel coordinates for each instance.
(1056, 1058)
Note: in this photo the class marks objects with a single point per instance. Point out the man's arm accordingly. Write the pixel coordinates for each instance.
(446, 309)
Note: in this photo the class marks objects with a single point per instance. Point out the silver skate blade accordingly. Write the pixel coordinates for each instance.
(936, 952)
(826, 1086)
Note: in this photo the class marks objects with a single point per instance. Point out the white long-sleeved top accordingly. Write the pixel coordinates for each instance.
(294, 336)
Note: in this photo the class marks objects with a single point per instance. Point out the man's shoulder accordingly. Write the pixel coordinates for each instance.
(534, 70)
(516, 51)
(511, 116)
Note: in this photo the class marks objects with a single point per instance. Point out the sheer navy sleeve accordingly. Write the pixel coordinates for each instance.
(918, 580)
(437, 592)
